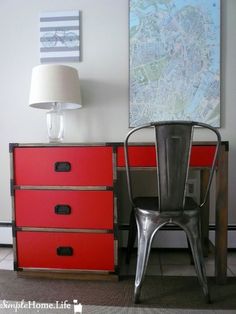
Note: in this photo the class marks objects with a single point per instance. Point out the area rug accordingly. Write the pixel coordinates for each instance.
(157, 292)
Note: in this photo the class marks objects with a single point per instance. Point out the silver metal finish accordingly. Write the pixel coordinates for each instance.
(173, 146)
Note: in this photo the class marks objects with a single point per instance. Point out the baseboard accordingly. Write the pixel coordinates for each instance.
(177, 239)
(165, 239)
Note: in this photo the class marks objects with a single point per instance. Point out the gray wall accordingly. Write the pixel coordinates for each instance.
(104, 80)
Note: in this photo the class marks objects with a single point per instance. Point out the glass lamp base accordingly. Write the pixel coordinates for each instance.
(55, 125)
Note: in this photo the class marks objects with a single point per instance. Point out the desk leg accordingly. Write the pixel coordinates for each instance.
(221, 217)
(205, 211)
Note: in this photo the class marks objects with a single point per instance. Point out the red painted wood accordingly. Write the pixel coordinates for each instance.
(144, 156)
(90, 251)
(90, 166)
(89, 209)
(140, 156)
(202, 156)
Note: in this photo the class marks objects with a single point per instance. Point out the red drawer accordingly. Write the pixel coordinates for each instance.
(85, 251)
(64, 209)
(139, 156)
(68, 166)
(145, 156)
(202, 156)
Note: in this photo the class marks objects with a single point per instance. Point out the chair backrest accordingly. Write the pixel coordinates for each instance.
(173, 142)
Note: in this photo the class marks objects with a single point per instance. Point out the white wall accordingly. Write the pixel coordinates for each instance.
(104, 80)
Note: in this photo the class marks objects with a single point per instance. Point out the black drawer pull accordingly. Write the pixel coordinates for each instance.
(62, 209)
(64, 251)
(62, 166)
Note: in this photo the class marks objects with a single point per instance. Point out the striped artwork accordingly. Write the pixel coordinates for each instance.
(59, 36)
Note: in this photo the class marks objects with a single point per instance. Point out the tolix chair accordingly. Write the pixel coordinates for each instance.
(173, 141)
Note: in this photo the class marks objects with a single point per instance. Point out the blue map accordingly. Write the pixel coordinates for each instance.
(174, 61)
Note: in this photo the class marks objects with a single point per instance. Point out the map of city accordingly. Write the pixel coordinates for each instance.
(174, 61)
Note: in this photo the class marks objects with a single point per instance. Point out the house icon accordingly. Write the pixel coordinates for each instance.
(77, 307)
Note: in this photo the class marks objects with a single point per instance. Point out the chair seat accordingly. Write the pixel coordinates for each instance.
(151, 203)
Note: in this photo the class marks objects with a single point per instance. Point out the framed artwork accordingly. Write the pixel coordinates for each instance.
(60, 36)
(174, 61)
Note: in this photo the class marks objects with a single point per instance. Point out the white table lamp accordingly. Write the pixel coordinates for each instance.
(56, 88)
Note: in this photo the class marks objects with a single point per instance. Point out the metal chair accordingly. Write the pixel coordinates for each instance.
(173, 141)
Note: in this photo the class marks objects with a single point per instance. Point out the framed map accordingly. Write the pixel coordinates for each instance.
(174, 61)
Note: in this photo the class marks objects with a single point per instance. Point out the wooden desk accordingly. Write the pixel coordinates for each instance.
(201, 157)
(64, 192)
(221, 215)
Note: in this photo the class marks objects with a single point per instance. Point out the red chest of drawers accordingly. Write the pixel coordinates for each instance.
(64, 216)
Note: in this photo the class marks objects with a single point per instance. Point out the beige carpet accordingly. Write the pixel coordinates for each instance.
(158, 292)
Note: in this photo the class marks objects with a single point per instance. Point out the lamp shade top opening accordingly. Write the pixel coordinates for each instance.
(52, 84)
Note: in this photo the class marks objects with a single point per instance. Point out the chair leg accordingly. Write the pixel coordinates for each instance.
(131, 236)
(194, 237)
(190, 252)
(146, 230)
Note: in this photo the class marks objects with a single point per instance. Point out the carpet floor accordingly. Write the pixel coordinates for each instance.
(157, 292)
